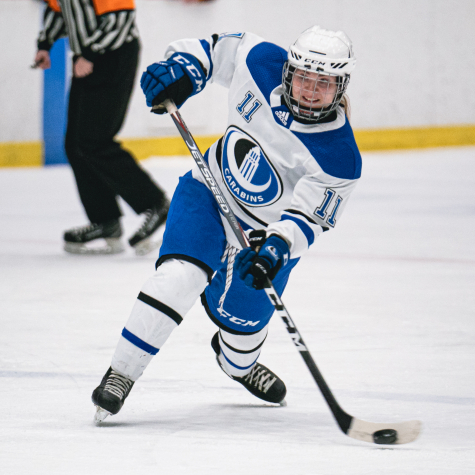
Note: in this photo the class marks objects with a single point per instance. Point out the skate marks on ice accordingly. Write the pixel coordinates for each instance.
(177, 425)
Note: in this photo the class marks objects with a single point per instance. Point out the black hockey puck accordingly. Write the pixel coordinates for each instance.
(385, 436)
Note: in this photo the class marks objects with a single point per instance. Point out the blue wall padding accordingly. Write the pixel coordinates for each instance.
(55, 104)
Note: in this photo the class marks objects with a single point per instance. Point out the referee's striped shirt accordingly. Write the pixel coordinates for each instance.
(93, 26)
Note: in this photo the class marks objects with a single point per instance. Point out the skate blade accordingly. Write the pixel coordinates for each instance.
(98, 246)
(100, 415)
(147, 246)
(150, 243)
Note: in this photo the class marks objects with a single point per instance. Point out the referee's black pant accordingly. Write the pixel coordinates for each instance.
(102, 168)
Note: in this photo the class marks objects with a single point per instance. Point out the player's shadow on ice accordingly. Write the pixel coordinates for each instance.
(221, 413)
(240, 418)
(248, 406)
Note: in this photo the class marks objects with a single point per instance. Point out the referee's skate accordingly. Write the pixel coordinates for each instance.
(103, 238)
(149, 236)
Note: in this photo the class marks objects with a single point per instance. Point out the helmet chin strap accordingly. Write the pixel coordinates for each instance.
(312, 114)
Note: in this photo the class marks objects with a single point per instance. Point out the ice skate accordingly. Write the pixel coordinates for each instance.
(110, 395)
(149, 236)
(94, 238)
(261, 381)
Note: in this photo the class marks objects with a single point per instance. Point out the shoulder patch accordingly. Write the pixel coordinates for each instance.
(230, 35)
(265, 62)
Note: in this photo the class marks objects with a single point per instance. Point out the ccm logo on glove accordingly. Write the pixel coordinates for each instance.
(178, 78)
(193, 72)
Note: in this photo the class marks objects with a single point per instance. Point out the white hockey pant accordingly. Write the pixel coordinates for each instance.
(239, 353)
(165, 299)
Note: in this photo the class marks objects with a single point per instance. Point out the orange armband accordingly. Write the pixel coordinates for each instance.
(54, 5)
(107, 6)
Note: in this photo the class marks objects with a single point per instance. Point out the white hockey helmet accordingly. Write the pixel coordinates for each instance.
(325, 52)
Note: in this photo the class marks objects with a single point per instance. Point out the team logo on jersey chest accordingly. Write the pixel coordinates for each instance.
(247, 172)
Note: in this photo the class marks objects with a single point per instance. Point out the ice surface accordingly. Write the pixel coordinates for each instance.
(385, 303)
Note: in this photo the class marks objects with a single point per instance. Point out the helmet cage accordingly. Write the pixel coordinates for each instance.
(301, 111)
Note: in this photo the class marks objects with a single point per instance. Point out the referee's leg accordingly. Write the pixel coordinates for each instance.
(103, 169)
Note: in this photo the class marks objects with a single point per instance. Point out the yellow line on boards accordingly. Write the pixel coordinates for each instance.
(165, 146)
(367, 140)
(421, 137)
(27, 154)
(21, 154)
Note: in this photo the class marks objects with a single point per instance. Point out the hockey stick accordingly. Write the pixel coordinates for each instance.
(379, 433)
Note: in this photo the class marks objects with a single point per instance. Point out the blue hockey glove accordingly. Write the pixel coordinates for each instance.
(262, 260)
(178, 78)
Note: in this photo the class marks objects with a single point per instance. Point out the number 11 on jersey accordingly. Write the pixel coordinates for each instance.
(255, 105)
(321, 211)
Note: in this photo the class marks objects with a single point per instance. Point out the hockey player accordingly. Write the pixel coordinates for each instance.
(287, 165)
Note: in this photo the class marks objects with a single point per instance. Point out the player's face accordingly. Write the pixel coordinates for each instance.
(313, 90)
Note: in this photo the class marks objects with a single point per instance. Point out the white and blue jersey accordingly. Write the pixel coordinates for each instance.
(290, 178)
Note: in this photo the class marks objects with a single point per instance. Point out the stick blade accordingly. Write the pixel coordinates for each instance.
(406, 431)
